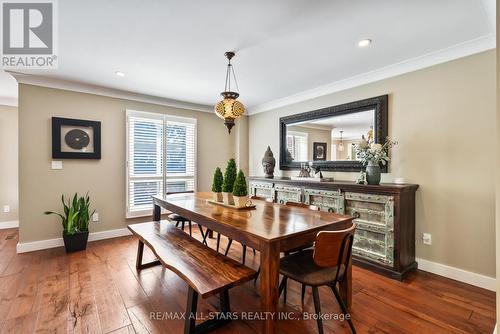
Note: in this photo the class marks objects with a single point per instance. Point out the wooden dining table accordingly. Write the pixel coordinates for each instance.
(270, 228)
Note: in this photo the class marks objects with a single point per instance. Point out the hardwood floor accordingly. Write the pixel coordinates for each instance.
(99, 291)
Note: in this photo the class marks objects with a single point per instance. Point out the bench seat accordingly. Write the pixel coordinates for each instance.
(202, 268)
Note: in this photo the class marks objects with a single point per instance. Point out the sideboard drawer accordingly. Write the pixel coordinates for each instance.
(376, 210)
(326, 200)
(288, 194)
(374, 245)
(262, 189)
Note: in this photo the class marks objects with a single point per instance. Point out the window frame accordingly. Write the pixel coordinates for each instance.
(164, 178)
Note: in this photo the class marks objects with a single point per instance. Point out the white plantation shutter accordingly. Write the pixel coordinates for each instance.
(296, 143)
(161, 150)
(180, 155)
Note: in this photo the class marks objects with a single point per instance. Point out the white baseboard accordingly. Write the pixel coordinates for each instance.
(58, 242)
(9, 224)
(457, 274)
(495, 330)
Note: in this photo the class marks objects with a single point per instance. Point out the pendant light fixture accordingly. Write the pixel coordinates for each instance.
(341, 145)
(229, 109)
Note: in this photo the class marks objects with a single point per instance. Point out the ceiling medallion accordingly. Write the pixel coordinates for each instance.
(229, 109)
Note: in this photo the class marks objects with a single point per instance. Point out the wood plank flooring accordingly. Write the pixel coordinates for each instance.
(99, 291)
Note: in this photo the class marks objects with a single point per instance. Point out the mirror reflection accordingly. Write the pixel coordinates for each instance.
(328, 139)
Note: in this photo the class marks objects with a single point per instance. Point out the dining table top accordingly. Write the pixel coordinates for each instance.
(267, 221)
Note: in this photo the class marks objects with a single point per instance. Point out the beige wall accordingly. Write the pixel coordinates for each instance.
(437, 114)
(41, 187)
(9, 164)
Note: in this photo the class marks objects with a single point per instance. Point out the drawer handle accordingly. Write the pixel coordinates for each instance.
(356, 215)
(331, 210)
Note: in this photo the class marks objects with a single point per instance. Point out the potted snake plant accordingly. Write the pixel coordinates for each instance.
(75, 222)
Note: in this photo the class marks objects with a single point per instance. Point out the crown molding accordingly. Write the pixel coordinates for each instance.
(80, 87)
(457, 51)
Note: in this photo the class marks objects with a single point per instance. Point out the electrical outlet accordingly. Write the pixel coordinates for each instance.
(95, 217)
(427, 238)
(6, 208)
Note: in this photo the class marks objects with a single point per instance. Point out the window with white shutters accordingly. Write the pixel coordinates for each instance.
(161, 158)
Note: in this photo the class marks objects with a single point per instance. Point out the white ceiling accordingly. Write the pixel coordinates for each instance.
(174, 49)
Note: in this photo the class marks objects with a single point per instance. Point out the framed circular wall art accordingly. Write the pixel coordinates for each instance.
(75, 139)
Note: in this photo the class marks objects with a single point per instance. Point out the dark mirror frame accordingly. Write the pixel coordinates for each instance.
(378, 103)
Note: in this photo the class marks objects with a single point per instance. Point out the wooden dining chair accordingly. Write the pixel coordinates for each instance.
(326, 264)
(178, 219)
(299, 205)
(309, 245)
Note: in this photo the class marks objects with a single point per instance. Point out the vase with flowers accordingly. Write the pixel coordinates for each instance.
(372, 155)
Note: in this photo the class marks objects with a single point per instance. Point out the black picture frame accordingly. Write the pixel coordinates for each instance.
(319, 151)
(379, 104)
(59, 122)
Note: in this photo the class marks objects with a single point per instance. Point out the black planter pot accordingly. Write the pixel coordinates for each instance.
(76, 242)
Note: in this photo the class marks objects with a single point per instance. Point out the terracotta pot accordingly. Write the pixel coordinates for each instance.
(228, 198)
(217, 196)
(240, 201)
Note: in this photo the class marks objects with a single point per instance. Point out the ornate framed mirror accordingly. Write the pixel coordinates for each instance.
(327, 136)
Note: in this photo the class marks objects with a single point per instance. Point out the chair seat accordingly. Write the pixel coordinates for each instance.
(301, 268)
(177, 218)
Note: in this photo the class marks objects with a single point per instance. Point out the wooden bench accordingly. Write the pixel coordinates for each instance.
(206, 271)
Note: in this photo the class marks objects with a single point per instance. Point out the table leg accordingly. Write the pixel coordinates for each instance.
(156, 213)
(345, 288)
(269, 277)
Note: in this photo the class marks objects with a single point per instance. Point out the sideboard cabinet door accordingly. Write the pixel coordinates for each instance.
(374, 238)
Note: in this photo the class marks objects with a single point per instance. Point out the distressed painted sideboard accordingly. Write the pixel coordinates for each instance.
(385, 216)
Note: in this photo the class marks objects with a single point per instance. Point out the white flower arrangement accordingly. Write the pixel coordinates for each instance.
(374, 153)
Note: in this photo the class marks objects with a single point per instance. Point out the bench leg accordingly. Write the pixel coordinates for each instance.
(140, 252)
(224, 302)
(190, 326)
(192, 305)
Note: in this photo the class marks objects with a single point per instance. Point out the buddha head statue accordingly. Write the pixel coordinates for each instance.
(268, 163)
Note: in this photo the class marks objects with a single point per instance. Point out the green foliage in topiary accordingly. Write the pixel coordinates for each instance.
(240, 185)
(229, 176)
(218, 180)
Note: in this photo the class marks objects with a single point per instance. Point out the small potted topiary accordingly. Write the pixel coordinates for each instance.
(75, 222)
(217, 185)
(240, 191)
(227, 185)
